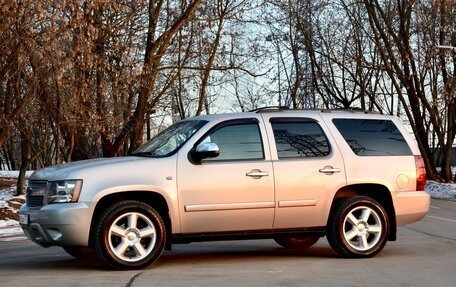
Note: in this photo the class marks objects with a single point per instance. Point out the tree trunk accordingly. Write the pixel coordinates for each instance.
(3, 133)
(207, 71)
(155, 50)
(401, 65)
(26, 155)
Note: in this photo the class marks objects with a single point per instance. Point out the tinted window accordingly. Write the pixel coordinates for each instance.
(299, 139)
(372, 137)
(237, 142)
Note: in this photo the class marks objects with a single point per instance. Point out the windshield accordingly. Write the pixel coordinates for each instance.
(170, 140)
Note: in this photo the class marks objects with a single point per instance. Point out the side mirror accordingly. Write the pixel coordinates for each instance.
(204, 150)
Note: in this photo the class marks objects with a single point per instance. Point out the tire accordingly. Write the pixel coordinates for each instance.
(130, 235)
(82, 253)
(358, 228)
(302, 242)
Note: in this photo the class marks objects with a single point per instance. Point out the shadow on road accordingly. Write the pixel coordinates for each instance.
(205, 255)
(36, 258)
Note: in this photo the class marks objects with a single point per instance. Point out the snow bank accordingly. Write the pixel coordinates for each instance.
(11, 231)
(8, 223)
(441, 190)
(8, 193)
(14, 173)
(9, 205)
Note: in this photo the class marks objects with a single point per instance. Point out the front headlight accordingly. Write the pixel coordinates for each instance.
(64, 191)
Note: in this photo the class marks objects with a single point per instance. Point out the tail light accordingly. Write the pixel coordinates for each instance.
(420, 173)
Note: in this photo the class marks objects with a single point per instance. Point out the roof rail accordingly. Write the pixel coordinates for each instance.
(350, 110)
(270, 109)
(286, 108)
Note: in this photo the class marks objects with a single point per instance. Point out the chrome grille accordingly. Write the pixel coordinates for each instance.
(35, 193)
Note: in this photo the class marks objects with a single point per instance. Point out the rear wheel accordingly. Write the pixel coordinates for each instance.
(359, 227)
(301, 242)
(130, 235)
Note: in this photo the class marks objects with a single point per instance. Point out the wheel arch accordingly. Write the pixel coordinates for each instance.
(376, 191)
(154, 199)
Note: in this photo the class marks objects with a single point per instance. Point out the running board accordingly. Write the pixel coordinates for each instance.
(245, 235)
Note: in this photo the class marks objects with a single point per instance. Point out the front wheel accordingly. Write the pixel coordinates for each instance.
(359, 227)
(130, 235)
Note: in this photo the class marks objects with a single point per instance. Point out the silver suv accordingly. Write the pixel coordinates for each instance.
(290, 175)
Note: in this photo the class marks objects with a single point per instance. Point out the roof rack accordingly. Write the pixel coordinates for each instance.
(270, 109)
(286, 108)
(351, 110)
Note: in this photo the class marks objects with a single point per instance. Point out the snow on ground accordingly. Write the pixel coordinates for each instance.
(8, 223)
(13, 173)
(11, 232)
(9, 206)
(13, 229)
(441, 190)
(7, 193)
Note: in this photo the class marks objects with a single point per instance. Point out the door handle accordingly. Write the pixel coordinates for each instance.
(256, 173)
(328, 170)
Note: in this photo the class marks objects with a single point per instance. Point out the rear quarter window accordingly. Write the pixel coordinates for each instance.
(373, 137)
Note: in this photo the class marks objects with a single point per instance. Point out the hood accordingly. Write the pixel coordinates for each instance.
(61, 172)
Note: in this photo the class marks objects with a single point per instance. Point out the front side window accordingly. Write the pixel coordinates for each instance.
(299, 138)
(373, 137)
(169, 140)
(237, 142)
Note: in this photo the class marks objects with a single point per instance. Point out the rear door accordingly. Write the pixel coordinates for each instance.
(308, 169)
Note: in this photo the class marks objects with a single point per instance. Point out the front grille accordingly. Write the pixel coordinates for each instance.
(34, 201)
(35, 193)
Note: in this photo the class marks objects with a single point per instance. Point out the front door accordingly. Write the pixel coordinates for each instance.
(234, 191)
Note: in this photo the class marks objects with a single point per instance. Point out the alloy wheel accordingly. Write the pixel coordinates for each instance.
(362, 228)
(132, 236)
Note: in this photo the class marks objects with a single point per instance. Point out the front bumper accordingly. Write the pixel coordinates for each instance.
(411, 206)
(63, 224)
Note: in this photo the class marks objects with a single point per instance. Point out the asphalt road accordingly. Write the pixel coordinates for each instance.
(423, 255)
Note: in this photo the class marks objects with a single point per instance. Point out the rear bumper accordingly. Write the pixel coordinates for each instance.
(411, 206)
(66, 224)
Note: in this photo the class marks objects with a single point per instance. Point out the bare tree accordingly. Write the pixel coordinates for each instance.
(393, 27)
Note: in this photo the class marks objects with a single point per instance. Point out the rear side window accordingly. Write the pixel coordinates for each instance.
(373, 137)
(299, 138)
